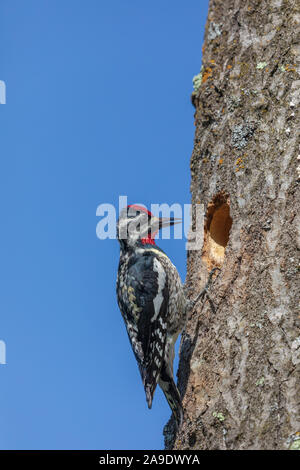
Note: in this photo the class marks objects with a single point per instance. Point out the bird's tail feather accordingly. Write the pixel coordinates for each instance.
(172, 395)
(150, 383)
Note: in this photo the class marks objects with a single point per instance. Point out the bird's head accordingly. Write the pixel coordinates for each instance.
(138, 225)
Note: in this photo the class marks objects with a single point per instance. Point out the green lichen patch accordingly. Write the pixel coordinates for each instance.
(261, 65)
(219, 416)
(295, 445)
(260, 382)
(197, 80)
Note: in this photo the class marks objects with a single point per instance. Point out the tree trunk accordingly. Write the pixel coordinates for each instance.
(240, 353)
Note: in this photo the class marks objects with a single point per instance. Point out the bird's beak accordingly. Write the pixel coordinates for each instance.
(168, 221)
(159, 222)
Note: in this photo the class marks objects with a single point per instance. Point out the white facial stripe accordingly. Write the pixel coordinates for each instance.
(133, 228)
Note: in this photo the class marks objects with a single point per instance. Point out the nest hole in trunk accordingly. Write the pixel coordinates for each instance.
(217, 227)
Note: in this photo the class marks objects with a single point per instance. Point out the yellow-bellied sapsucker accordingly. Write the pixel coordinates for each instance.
(152, 301)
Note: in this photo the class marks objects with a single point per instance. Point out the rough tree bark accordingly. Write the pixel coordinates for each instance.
(239, 359)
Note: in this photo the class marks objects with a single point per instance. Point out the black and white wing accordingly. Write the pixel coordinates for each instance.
(144, 304)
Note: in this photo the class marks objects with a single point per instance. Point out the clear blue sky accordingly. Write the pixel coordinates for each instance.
(98, 105)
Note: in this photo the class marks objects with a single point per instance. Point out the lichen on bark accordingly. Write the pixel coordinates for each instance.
(239, 359)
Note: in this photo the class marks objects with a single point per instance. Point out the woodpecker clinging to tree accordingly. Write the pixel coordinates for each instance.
(152, 301)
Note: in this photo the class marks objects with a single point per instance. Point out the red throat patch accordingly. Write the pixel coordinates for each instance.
(148, 240)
